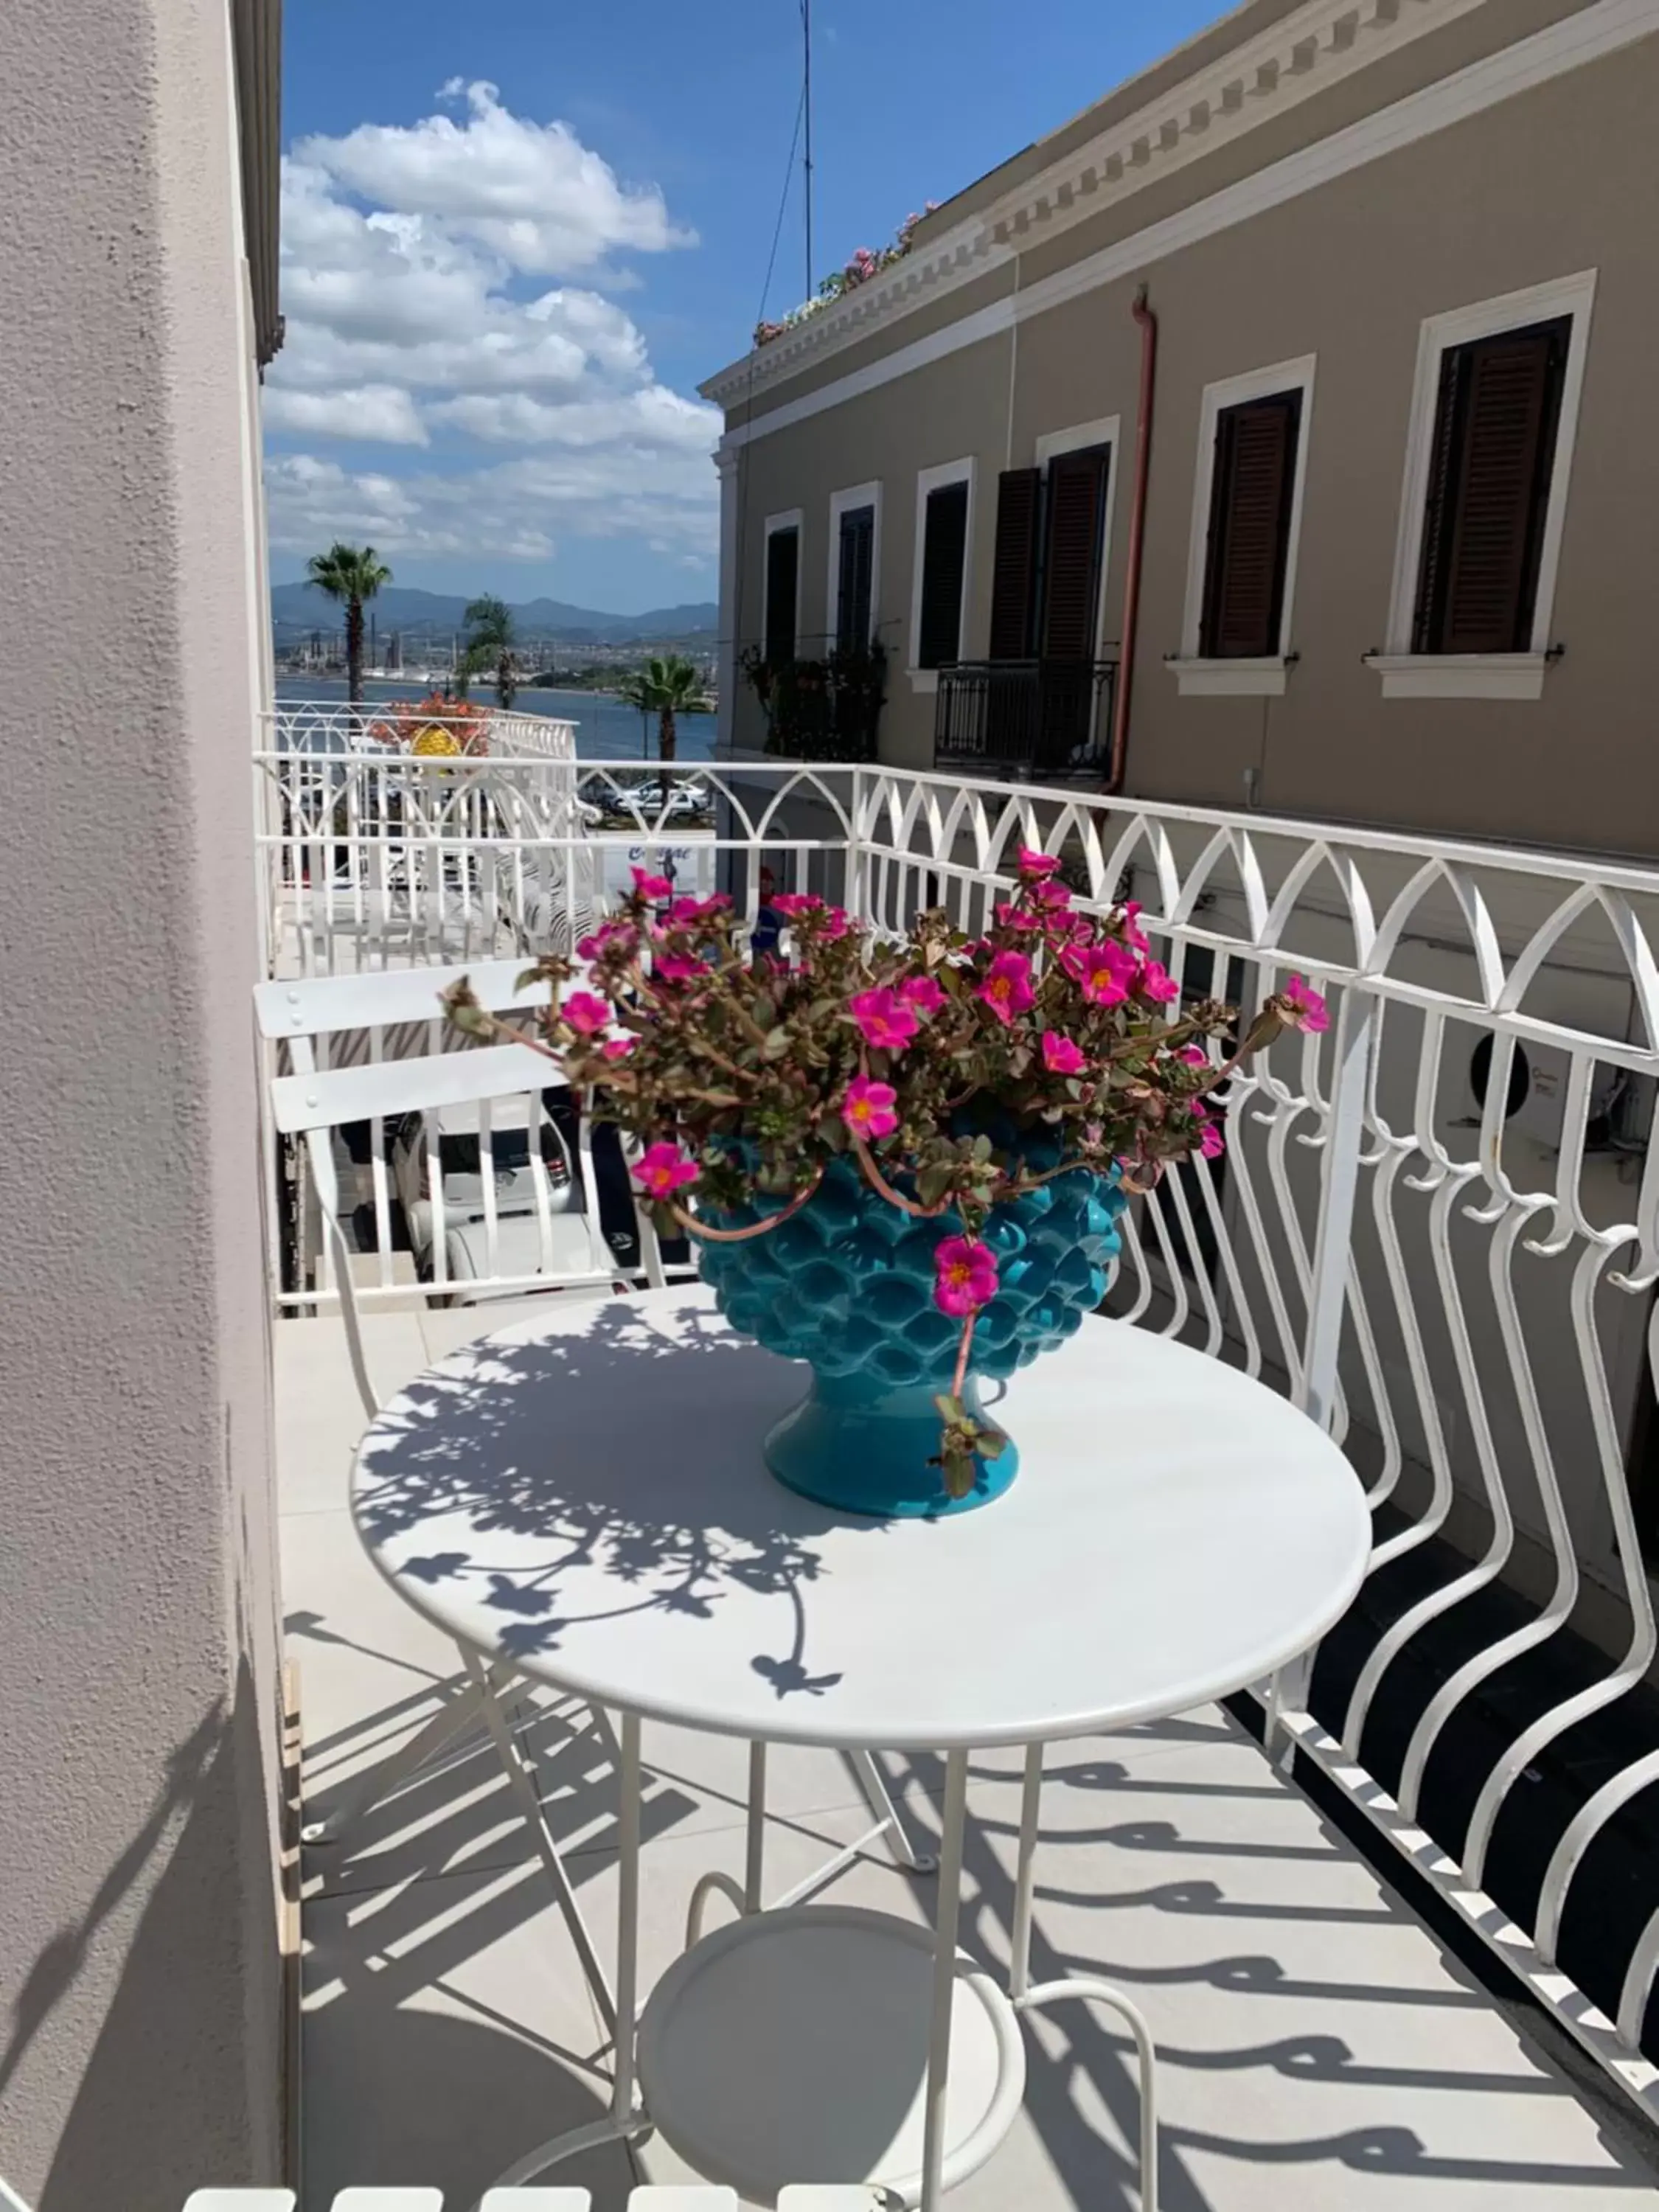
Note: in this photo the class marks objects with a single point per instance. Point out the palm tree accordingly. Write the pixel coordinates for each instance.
(352, 574)
(665, 687)
(489, 644)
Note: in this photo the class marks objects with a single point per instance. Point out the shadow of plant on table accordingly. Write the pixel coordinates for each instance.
(520, 1440)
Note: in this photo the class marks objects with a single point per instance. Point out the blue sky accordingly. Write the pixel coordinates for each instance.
(518, 232)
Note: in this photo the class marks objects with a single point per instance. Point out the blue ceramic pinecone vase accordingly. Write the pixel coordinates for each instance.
(848, 1285)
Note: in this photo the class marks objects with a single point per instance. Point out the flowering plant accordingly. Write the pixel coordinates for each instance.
(434, 727)
(859, 269)
(923, 1059)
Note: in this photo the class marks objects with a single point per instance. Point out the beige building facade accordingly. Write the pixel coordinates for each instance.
(141, 1984)
(1401, 488)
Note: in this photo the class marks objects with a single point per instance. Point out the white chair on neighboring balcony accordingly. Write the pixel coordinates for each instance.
(312, 1020)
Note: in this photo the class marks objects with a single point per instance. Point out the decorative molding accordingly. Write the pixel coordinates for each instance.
(1315, 47)
(1230, 679)
(1601, 29)
(1460, 675)
(1234, 391)
(1539, 303)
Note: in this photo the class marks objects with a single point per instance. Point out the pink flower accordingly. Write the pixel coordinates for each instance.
(924, 993)
(1101, 972)
(676, 968)
(650, 886)
(1010, 916)
(1194, 1055)
(1007, 989)
(610, 937)
(1055, 896)
(1034, 865)
(685, 910)
(883, 1017)
(1129, 914)
(617, 1047)
(964, 1276)
(1061, 1055)
(801, 906)
(1303, 1007)
(1211, 1142)
(663, 1169)
(584, 1013)
(1154, 981)
(867, 1107)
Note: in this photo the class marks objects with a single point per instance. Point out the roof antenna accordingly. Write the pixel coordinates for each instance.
(806, 102)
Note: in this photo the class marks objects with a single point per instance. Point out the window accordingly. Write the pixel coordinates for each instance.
(780, 614)
(854, 567)
(1242, 614)
(1247, 515)
(1493, 420)
(1490, 466)
(1050, 561)
(939, 594)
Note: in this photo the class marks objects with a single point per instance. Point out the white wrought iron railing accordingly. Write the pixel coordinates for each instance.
(1436, 1227)
(333, 726)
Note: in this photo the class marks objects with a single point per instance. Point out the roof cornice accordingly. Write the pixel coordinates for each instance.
(1304, 53)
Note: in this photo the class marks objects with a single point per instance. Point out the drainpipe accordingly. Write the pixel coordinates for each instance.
(1148, 322)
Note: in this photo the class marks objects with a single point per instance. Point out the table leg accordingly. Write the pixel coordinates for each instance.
(1028, 1999)
(753, 1871)
(628, 1923)
(953, 1817)
(530, 1803)
(1019, 1971)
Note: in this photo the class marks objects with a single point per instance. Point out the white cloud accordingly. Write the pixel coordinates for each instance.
(410, 323)
(531, 193)
(378, 412)
(506, 509)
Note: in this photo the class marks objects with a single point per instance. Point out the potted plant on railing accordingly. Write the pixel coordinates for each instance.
(823, 709)
(907, 1157)
(438, 727)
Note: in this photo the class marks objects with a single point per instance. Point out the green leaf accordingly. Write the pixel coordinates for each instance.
(932, 1183)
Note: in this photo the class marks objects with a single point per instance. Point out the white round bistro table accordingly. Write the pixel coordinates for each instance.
(580, 1499)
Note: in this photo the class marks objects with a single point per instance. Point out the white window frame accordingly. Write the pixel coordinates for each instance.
(843, 503)
(1197, 676)
(791, 519)
(924, 680)
(1107, 431)
(1408, 675)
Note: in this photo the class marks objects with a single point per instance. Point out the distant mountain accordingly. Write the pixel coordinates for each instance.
(298, 609)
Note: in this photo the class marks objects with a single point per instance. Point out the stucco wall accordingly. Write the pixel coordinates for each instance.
(1559, 179)
(140, 2014)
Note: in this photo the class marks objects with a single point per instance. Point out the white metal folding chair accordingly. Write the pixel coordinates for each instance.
(311, 1101)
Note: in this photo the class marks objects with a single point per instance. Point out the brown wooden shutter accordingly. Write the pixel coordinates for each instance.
(857, 554)
(782, 572)
(1070, 577)
(943, 551)
(1013, 576)
(1253, 485)
(1490, 470)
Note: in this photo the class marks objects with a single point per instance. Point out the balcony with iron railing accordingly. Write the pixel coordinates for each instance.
(820, 706)
(1043, 720)
(1436, 1228)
